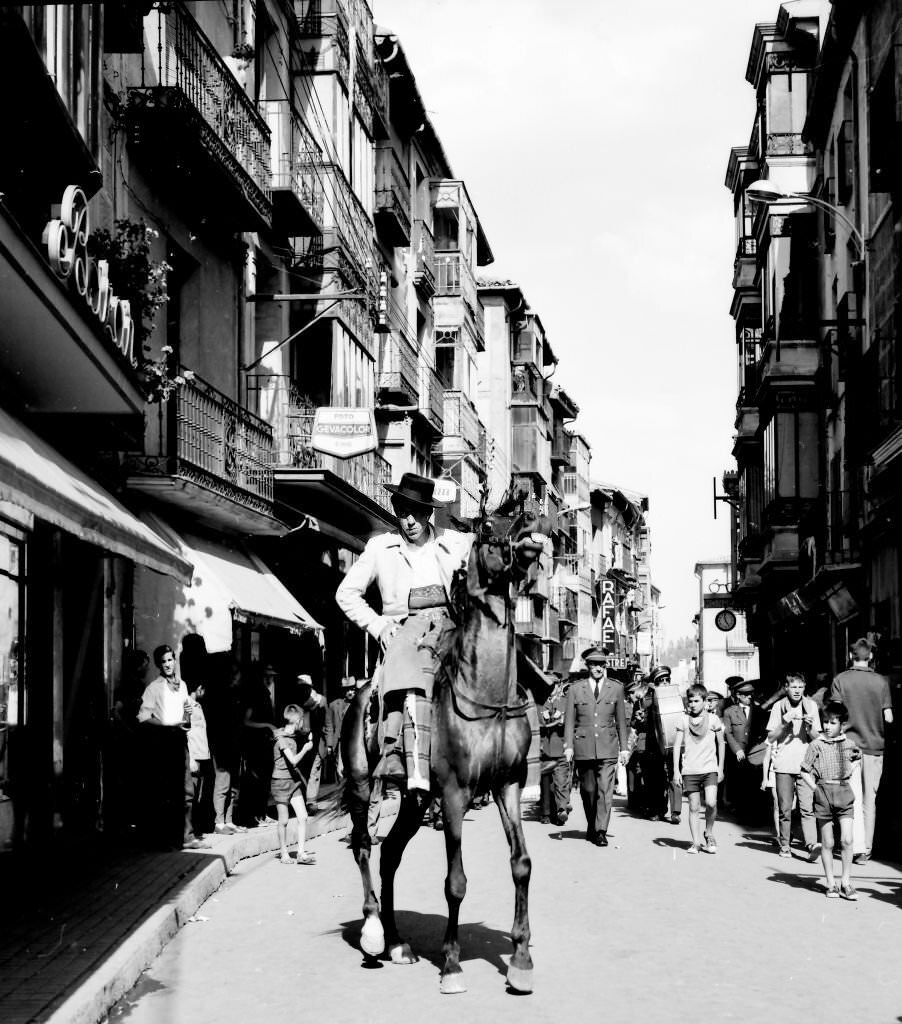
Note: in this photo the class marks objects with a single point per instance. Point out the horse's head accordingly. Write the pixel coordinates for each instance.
(504, 547)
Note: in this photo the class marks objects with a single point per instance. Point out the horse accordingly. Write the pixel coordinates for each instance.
(480, 743)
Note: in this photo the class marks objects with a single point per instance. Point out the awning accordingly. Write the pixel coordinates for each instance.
(36, 477)
(230, 583)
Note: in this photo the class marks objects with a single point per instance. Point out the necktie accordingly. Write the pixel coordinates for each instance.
(597, 687)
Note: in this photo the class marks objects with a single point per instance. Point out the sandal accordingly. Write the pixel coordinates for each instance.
(832, 893)
(305, 858)
(285, 858)
(847, 892)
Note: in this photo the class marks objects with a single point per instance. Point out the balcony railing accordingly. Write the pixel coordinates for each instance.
(567, 602)
(786, 144)
(399, 370)
(204, 436)
(366, 473)
(424, 259)
(181, 70)
(432, 398)
(371, 89)
(461, 418)
(325, 19)
(392, 209)
(295, 169)
(455, 277)
(348, 225)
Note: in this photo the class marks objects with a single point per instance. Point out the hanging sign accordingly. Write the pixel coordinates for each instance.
(608, 611)
(445, 490)
(344, 432)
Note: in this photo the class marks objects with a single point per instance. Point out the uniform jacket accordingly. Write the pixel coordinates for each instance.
(595, 729)
(384, 562)
(737, 727)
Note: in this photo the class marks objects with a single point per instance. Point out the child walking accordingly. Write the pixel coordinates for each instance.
(826, 768)
(288, 786)
(701, 733)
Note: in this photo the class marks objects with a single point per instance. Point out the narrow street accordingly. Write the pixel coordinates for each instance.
(637, 931)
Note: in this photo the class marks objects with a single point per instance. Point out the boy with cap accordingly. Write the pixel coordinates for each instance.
(596, 738)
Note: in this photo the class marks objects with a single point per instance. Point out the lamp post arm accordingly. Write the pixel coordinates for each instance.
(838, 214)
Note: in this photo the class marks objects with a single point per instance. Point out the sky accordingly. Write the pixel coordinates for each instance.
(594, 137)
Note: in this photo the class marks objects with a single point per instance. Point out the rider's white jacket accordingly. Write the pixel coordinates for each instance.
(384, 562)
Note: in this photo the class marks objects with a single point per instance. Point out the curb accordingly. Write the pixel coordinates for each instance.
(95, 997)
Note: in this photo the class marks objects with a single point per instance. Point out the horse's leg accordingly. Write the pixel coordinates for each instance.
(413, 806)
(455, 801)
(519, 971)
(356, 798)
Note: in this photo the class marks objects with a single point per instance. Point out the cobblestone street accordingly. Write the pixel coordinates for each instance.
(637, 931)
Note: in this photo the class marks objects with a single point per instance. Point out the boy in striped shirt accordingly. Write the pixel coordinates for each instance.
(827, 767)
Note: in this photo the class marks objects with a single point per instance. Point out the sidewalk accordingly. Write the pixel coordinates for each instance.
(77, 934)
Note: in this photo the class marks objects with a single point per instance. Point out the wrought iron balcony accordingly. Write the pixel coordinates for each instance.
(424, 259)
(203, 436)
(371, 90)
(365, 473)
(461, 418)
(399, 370)
(392, 209)
(454, 277)
(297, 193)
(324, 19)
(189, 115)
(432, 399)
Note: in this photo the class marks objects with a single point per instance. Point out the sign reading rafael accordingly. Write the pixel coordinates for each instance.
(344, 432)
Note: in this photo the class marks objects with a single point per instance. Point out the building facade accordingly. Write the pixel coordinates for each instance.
(816, 298)
(724, 648)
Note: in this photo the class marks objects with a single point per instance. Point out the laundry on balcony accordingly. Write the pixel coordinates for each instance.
(34, 476)
(229, 584)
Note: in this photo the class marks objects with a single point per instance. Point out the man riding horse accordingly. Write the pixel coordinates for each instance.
(413, 569)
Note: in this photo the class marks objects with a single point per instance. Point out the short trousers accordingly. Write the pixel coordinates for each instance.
(697, 783)
(832, 801)
(282, 790)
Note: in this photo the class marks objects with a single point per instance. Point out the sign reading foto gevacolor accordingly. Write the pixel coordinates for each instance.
(344, 432)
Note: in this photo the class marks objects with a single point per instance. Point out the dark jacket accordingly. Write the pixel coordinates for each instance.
(551, 725)
(595, 729)
(737, 727)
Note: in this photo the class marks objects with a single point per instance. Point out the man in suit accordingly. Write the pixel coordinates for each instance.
(596, 738)
(555, 768)
(739, 722)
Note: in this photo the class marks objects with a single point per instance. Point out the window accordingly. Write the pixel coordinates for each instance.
(352, 381)
(883, 132)
(446, 227)
(790, 456)
(12, 622)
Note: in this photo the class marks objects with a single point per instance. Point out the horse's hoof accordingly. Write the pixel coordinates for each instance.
(402, 954)
(452, 984)
(372, 937)
(519, 978)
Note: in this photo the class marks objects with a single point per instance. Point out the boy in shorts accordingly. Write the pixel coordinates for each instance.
(701, 734)
(826, 768)
(288, 785)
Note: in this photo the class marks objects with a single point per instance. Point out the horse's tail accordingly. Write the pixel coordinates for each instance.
(355, 793)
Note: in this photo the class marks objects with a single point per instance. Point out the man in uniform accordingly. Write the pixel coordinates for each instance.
(665, 793)
(413, 568)
(596, 738)
(743, 780)
(335, 714)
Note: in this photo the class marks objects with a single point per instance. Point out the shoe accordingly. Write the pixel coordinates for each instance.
(224, 830)
(545, 820)
(236, 828)
(832, 893)
(785, 851)
(601, 839)
(847, 892)
(692, 849)
(814, 851)
(674, 819)
(306, 858)
(195, 844)
(710, 844)
(861, 858)
(263, 822)
(561, 818)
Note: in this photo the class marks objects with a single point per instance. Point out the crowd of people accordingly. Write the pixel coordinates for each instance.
(199, 749)
(762, 756)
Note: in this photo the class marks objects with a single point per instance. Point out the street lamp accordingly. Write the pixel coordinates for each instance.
(768, 192)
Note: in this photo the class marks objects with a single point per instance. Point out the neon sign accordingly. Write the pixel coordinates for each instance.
(66, 238)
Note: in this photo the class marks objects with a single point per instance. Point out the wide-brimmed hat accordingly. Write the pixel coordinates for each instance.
(595, 656)
(418, 490)
(739, 685)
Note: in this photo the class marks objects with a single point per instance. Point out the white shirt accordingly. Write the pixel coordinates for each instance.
(424, 564)
(162, 702)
